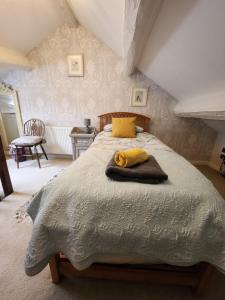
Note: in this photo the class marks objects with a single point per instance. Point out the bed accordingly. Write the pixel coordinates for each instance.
(85, 225)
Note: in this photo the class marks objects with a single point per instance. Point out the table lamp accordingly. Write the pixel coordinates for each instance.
(87, 123)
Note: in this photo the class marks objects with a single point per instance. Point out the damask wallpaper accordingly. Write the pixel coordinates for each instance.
(48, 93)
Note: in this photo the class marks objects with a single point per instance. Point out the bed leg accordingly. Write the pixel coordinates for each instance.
(54, 268)
(204, 279)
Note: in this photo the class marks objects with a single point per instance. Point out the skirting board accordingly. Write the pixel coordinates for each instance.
(204, 163)
(199, 162)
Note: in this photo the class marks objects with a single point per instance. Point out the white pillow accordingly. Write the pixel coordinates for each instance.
(139, 129)
(108, 128)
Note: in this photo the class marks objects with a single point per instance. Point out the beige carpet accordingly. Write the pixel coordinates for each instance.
(217, 179)
(14, 236)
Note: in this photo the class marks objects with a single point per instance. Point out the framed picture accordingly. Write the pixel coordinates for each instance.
(139, 97)
(75, 65)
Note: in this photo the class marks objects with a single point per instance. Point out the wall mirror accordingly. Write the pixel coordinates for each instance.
(11, 125)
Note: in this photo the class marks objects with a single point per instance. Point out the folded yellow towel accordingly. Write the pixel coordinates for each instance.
(130, 157)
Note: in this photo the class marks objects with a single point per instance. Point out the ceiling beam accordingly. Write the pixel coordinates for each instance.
(139, 19)
(206, 107)
(11, 59)
(207, 115)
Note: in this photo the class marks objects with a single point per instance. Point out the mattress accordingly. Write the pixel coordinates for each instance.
(91, 218)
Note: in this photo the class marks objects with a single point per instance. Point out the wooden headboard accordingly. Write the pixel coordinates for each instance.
(141, 120)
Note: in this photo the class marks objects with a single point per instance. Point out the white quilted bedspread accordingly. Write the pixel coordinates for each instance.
(85, 215)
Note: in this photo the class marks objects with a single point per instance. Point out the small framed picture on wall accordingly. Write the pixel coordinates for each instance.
(139, 96)
(75, 65)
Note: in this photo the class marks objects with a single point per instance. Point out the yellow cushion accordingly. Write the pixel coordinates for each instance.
(130, 157)
(123, 127)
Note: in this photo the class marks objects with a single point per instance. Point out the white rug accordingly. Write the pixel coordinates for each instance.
(21, 213)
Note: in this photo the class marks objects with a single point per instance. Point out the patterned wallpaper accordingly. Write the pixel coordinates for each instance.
(48, 93)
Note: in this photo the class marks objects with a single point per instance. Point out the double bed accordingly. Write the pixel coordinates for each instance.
(90, 226)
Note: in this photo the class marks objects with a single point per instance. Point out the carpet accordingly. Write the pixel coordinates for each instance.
(14, 237)
(21, 213)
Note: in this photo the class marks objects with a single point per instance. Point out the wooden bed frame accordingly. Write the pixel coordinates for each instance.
(196, 277)
(141, 120)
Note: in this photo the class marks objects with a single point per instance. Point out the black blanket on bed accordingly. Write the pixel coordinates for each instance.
(147, 172)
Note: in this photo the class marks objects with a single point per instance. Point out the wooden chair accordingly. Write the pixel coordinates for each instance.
(34, 130)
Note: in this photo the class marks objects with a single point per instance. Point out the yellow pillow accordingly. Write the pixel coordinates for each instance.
(123, 127)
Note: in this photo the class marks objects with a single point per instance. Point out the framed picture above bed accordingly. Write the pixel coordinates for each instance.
(75, 65)
(139, 96)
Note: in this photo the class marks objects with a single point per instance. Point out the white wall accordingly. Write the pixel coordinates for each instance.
(215, 160)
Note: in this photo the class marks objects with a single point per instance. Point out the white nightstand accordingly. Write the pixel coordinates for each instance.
(81, 140)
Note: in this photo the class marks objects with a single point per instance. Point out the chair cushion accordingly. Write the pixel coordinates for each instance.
(27, 140)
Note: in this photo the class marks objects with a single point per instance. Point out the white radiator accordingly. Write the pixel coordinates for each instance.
(58, 140)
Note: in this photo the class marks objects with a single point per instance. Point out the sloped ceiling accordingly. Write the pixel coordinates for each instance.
(24, 25)
(105, 18)
(185, 55)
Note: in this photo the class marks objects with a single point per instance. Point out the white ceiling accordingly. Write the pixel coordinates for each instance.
(24, 24)
(104, 18)
(185, 53)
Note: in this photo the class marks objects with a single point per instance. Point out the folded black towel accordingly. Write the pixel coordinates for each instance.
(147, 172)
